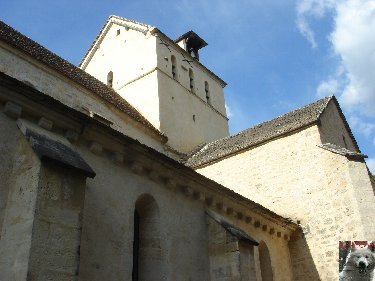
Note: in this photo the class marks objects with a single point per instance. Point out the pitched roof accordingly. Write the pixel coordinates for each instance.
(289, 122)
(19, 41)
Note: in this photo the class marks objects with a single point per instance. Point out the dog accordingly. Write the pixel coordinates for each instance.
(360, 265)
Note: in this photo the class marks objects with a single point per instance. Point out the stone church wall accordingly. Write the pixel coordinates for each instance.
(294, 177)
(180, 251)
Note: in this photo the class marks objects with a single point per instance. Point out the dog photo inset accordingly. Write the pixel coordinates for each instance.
(357, 260)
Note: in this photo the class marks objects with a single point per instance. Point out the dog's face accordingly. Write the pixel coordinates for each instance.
(363, 259)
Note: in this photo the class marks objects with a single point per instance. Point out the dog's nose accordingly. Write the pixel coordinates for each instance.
(361, 264)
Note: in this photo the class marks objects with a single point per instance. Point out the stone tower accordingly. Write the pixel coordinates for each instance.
(161, 78)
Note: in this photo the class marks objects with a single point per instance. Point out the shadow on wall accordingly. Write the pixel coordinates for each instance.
(303, 265)
(265, 262)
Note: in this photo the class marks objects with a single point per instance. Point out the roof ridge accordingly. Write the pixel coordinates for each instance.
(328, 98)
(259, 133)
(130, 20)
(98, 36)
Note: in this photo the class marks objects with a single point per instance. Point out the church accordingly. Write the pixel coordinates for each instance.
(122, 168)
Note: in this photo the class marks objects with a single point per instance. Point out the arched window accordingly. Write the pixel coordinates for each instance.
(147, 254)
(207, 91)
(110, 79)
(265, 262)
(191, 77)
(174, 67)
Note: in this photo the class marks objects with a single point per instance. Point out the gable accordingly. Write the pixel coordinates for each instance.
(128, 24)
(334, 129)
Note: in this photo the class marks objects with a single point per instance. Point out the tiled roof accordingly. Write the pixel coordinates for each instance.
(263, 132)
(342, 151)
(19, 41)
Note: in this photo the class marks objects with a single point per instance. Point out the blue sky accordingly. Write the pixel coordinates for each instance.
(274, 55)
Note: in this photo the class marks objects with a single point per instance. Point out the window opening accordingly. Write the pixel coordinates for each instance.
(207, 91)
(191, 77)
(118, 32)
(135, 247)
(265, 262)
(110, 79)
(147, 252)
(174, 67)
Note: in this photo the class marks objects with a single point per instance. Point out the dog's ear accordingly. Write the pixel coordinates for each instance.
(371, 246)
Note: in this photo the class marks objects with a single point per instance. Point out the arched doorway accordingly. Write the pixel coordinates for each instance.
(147, 252)
(265, 262)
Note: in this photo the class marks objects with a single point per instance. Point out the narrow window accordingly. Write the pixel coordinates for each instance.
(135, 246)
(265, 262)
(110, 79)
(118, 32)
(194, 117)
(147, 252)
(174, 67)
(207, 91)
(191, 77)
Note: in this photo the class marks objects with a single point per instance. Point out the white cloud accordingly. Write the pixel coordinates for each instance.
(352, 39)
(371, 165)
(327, 88)
(311, 9)
(357, 124)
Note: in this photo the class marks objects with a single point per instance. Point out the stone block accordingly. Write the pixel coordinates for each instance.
(12, 110)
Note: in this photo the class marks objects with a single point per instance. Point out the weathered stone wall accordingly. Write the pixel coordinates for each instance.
(107, 239)
(8, 139)
(186, 118)
(295, 178)
(230, 258)
(19, 176)
(56, 237)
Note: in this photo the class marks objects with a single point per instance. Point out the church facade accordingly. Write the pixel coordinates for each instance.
(123, 169)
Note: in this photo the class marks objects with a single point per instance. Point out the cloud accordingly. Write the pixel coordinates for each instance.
(371, 165)
(359, 125)
(353, 42)
(307, 9)
(327, 88)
